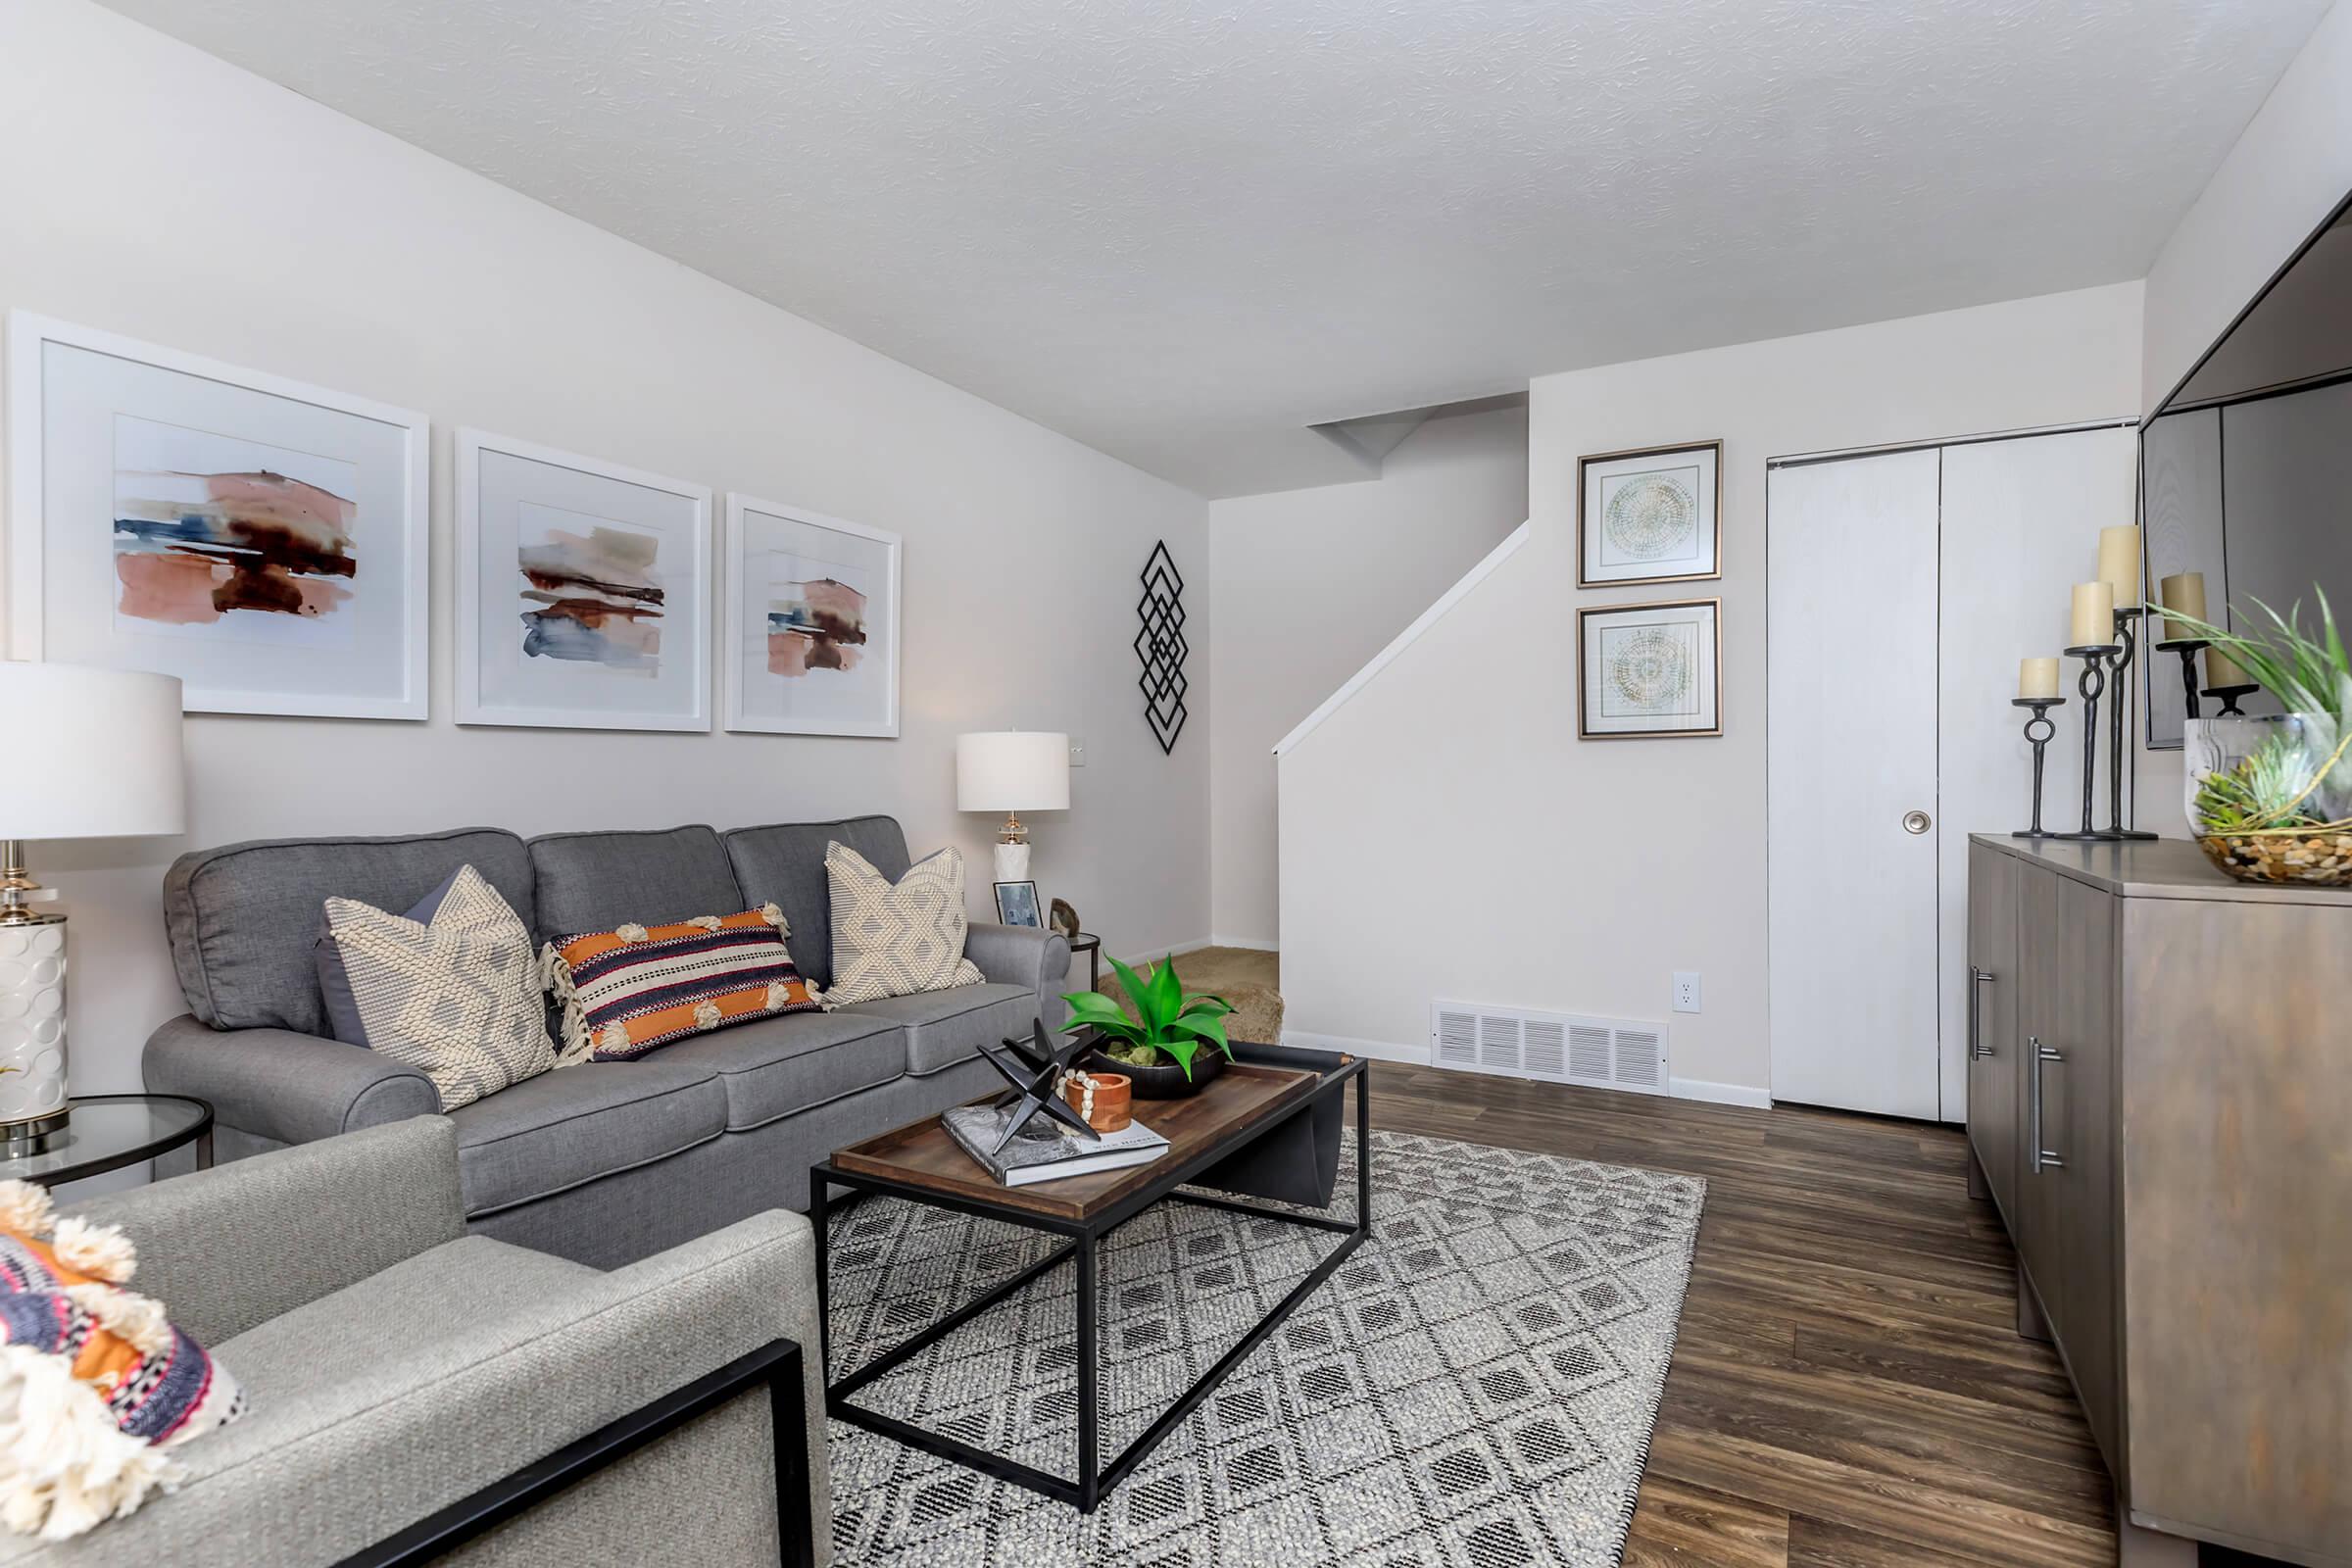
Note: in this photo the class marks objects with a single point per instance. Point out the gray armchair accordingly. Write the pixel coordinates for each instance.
(395, 1365)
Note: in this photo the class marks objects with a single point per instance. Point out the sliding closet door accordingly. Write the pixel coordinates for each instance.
(2021, 523)
(1851, 742)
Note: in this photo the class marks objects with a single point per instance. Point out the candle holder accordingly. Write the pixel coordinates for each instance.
(2127, 636)
(2186, 648)
(2038, 730)
(2092, 683)
(2229, 695)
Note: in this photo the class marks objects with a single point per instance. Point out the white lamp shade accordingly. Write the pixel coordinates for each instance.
(95, 752)
(1012, 770)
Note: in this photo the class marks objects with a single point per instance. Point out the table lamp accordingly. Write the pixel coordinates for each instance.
(1012, 771)
(98, 757)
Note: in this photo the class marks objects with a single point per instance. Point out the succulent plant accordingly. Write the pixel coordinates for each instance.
(1167, 1020)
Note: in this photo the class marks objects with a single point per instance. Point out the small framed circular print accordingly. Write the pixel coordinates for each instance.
(1651, 516)
(1649, 672)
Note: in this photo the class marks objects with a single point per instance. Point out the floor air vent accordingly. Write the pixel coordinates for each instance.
(1554, 1047)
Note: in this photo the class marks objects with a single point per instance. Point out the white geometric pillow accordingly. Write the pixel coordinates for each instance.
(896, 939)
(459, 999)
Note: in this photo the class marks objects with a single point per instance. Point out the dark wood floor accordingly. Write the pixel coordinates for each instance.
(1849, 1389)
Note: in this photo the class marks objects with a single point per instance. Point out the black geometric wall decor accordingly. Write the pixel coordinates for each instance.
(1161, 644)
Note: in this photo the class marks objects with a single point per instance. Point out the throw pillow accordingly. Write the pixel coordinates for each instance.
(627, 991)
(896, 939)
(458, 997)
(95, 1385)
(343, 1018)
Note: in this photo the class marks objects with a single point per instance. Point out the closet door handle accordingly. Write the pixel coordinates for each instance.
(1975, 1012)
(2039, 1158)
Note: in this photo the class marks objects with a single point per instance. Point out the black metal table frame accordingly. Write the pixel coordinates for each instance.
(1095, 1481)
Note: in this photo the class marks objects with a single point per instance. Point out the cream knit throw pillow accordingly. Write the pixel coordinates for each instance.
(458, 1000)
(894, 940)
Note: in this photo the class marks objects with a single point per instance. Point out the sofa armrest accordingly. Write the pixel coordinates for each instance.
(1021, 956)
(782, 1246)
(232, 1247)
(277, 1084)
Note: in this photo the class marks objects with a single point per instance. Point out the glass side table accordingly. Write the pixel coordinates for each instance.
(107, 1132)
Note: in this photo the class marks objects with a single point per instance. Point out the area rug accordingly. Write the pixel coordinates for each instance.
(1475, 1386)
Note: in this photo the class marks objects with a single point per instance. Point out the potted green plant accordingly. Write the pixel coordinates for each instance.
(2283, 812)
(1173, 1045)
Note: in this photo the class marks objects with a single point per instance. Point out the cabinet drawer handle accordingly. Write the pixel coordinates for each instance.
(2039, 1158)
(1975, 1012)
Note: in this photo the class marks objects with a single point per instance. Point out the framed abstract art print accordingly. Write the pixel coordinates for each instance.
(812, 633)
(1651, 516)
(262, 539)
(1649, 672)
(583, 591)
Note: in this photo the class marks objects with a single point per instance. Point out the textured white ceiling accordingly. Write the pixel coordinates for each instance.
(1184, 232)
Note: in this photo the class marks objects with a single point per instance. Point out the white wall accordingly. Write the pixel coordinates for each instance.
(1307, 585)
(1446, 834)
(155, 191)
(2289, 169)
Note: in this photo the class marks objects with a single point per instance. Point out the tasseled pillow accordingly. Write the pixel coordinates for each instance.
(95, 1383)
(630, 989)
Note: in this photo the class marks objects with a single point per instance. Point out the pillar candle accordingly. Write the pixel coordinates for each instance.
(2184, 593)
(2222, 670)
(2094, 616)
(2037, 677)
(2119, 565)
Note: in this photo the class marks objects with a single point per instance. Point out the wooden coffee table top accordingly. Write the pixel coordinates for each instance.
(1241, 1099)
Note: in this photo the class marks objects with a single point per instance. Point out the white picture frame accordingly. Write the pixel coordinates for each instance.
(1649, 672)
(641, 659)
(803, 689)
(1652, 514)
(107, 434)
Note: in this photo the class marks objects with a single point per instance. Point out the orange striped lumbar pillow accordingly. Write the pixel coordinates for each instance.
(627, 991)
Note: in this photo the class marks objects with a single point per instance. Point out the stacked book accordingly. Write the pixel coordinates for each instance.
(1024, 1159)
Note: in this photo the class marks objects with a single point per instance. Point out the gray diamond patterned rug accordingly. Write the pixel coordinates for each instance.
(1474, 1387)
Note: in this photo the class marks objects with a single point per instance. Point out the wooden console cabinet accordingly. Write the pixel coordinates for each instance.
(2160, 1104)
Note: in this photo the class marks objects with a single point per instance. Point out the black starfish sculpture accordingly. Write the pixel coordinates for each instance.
(1034, 1068)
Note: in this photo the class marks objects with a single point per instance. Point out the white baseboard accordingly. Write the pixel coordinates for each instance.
(1376, 1050)
(1719, 1094)
(1174, 949)
(1247, 944)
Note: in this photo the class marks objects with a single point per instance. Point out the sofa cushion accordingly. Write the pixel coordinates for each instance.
(784, 863)
(778, 1066)
(242, 917)
(576, 1124)
(946, 1027)
(596, 881)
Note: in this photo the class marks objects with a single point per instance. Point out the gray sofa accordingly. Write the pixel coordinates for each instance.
(605, 1162)
(394, 1364)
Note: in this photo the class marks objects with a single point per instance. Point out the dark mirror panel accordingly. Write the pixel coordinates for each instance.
(2247, 471)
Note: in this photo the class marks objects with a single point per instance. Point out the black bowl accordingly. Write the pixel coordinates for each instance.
(1165, 1081)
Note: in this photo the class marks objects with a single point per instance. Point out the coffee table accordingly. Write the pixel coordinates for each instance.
(1260, 1117)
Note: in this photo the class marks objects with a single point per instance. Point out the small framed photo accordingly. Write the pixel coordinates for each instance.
(1650, 515)
(1649, 672)
(1016, 905)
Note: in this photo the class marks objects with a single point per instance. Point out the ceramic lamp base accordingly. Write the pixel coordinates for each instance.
(1012, 863)
(32, 1028)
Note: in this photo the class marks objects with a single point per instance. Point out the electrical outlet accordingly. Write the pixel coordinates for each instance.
(1077, 751)
(1685, 991)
